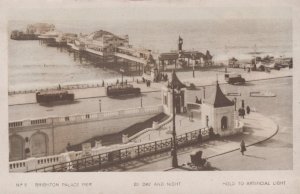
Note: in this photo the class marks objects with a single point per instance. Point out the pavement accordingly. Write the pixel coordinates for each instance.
(183, 125)
(257, 129)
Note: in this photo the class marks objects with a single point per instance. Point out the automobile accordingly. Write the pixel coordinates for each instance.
(234, 78)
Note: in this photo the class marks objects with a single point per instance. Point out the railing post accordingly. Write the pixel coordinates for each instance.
(77, 165)
(99, 161)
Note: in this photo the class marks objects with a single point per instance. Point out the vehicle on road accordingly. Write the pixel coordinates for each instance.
(122, 89)
(234, 78)
(54, 96)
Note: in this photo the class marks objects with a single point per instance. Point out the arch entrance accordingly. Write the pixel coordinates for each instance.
(38, 145)
(224, 123)
(16, 147)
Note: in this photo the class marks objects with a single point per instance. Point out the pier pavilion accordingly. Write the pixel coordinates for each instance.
(184, 58)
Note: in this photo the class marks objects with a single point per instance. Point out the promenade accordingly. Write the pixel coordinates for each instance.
(257, 128)
(202, 78)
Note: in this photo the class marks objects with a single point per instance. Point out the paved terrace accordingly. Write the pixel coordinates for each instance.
(257, 128)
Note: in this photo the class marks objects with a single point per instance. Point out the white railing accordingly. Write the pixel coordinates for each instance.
(35, 163)
(86, 117)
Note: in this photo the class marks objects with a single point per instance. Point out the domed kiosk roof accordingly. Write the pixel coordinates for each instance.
(218, 99)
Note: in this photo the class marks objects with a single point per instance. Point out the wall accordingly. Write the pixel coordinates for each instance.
(74, 129)
(215, 115)
(219, 113)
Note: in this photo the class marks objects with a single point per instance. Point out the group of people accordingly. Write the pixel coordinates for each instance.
(148, 83)
(242, 111)
(198, 101)
(161, 77)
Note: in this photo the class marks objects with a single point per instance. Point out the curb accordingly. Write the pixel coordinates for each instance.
(277, 129)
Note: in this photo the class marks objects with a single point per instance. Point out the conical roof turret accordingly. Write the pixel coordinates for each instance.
(176, 82)
(218, 99)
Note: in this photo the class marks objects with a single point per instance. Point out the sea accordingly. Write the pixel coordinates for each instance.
(34, 66)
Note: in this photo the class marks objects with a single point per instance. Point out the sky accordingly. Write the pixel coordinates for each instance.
(148, 11)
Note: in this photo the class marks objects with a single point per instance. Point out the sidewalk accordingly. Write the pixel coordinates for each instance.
(258, 128)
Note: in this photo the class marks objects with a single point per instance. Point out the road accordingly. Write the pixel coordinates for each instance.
(270, 155)
(82, 106)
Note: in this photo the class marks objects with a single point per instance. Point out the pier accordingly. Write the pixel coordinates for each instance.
(112, 51)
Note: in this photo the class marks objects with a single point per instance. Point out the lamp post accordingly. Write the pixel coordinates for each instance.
(174, 144)
(235, 103)
(194, 69)
(122, 71)
(100, 105)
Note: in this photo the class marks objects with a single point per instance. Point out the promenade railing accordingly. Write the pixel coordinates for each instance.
(104, 160)
(72, 86)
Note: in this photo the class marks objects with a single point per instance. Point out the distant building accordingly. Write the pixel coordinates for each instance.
(105, 41)
(39, 28)
(233, 63)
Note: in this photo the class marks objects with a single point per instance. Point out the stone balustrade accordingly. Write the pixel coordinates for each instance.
(85, 117)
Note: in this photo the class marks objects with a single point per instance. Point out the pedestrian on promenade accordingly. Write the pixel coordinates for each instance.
(200, 137)
(59, 87)
(243, 147)
(243, 113)
(240, 112)
(248, 110)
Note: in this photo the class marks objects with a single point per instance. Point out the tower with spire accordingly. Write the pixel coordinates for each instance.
(179, 92)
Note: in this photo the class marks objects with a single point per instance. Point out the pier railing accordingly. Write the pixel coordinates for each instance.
(104, 160)
(86, 117)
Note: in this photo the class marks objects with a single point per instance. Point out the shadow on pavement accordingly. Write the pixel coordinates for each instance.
(252, 156)
(52, 104)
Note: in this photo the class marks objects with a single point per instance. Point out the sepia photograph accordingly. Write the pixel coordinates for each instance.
(126, 89)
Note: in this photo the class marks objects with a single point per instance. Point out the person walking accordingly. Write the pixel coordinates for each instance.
(243, 113)
(243, 147)
(200, 137)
